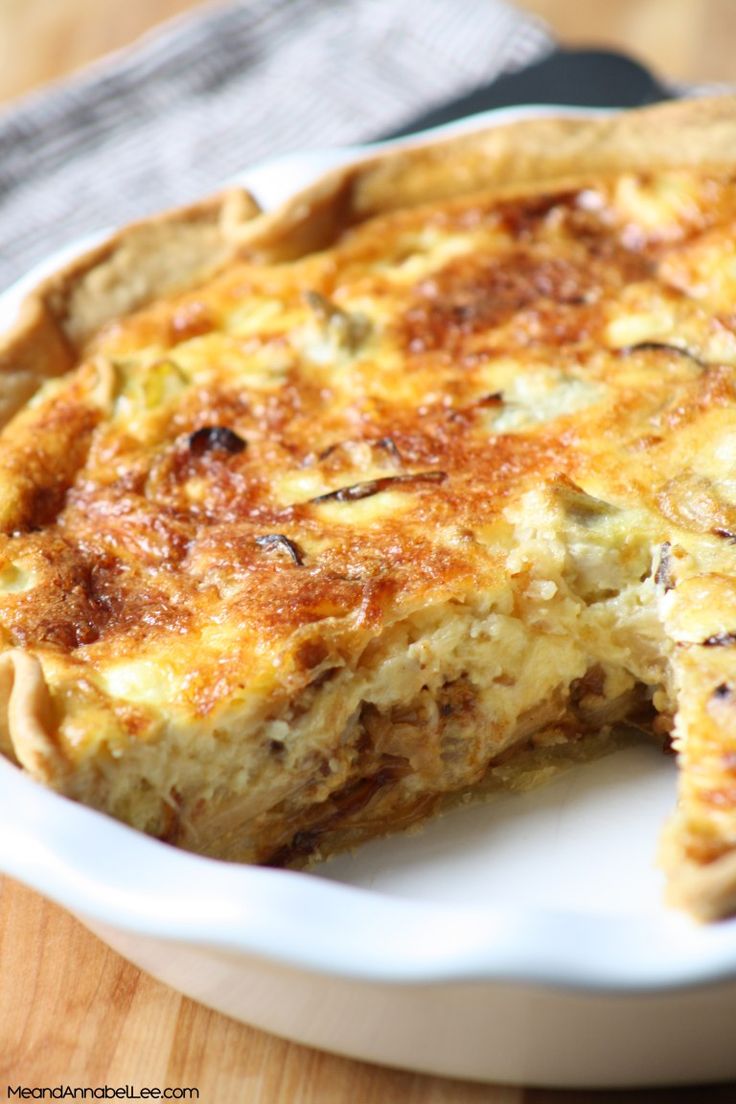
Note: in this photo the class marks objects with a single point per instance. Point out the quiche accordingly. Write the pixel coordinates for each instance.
(314, 521)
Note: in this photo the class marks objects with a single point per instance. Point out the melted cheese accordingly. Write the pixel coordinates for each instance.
(381, 506)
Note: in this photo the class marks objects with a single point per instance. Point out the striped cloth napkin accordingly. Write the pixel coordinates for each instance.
(212, 92)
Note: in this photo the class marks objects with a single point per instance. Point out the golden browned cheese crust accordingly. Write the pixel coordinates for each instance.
(291, 554)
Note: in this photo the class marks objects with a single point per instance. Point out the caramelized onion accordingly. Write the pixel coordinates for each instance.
(215, 439)
(720, 640)
(663, 347)
(278, 540)
(374, 486)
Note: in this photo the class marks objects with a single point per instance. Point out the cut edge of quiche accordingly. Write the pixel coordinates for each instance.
(512, 649)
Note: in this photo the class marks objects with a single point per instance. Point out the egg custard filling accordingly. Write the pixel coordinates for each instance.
(296, 553)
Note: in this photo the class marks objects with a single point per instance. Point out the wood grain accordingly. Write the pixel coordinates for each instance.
(684, 40)
(73, 1011)
(41, 40)
(687, 40)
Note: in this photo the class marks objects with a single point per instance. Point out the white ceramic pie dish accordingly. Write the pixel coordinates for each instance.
(523, 940)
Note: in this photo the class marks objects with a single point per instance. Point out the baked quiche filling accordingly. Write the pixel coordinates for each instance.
(289, 558)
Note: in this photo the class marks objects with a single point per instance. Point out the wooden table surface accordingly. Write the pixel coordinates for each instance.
(73, 1011)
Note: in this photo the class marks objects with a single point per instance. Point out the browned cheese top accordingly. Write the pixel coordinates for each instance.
(242, 479)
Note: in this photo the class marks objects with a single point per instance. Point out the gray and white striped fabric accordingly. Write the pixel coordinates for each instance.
(231, 84)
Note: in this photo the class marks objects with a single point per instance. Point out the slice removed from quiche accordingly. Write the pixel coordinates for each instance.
(312, 521)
